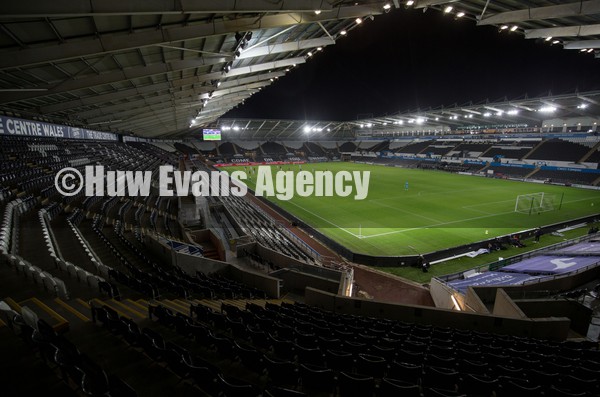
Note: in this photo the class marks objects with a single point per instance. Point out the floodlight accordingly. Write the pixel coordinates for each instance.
(515, 27)
(410, 2)
(358, 21)
(317, 12)
(448, 9)
(512, 112)
(460, 14)
(548, 38)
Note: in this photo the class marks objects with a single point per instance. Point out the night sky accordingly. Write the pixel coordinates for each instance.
(408, 59)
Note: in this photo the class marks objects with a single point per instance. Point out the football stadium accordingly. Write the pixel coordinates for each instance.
(285, 198)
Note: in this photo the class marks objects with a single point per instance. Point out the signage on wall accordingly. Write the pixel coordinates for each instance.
(16, 126)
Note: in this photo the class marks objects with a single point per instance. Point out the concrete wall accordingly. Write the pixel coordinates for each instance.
(286, 262)
(192, 264)
(474, 303)
(504, 306)
(271, 285)
(579, 315)
(440, 294)
(296, 281)
(548, 328)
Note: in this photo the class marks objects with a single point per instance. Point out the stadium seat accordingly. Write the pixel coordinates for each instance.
(393, 387)
(355, 385)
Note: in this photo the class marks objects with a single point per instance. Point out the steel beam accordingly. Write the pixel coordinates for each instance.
(286, 47)
(563, 31)
(114, 42)
(151, 70)
(574, 9)
(120, 110)
(111, 77)
(239, 71)
(103, 98)
(78, 8)
(581, 44)
(429, 3)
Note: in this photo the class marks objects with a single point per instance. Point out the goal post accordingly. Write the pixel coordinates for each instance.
(537, 202)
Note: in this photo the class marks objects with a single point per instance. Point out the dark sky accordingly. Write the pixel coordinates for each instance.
(408, 59)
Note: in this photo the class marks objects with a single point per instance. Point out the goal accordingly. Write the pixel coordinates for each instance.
(537, 202)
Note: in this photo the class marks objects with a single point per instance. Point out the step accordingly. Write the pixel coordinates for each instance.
(174, 307)
(140, 307)
(214, 305)
(143, 302)
(99, 303)
(58, 323)
(132, 310)
(13, 305)
(70, 312)
(183, 303)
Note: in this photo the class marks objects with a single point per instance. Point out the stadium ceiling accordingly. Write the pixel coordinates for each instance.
(150, 67)
(542, 112)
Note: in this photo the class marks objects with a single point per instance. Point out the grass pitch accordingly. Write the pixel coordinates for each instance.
(439, 210)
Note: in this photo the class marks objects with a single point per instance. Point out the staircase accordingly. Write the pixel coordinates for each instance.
(533, 149)
(590, 153)
(532, 173)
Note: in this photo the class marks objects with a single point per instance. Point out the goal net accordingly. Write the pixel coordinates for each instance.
(537, 202)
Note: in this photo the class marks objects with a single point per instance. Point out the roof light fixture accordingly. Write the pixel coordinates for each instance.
(460, 14)
(317, 12)
(512, 112)
(343, 33)
(514, 27)
(448, 9)
(387, 6)
(358, 21)
(556, 42)
(548, 38)
(547, 109)
(410, 2)
(503, 27)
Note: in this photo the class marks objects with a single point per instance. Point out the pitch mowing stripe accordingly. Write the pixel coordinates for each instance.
(457, 221)
(406, 212)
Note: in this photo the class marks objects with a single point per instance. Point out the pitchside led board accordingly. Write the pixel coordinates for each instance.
(211, 134)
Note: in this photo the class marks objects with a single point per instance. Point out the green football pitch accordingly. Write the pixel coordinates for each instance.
(439, 210)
